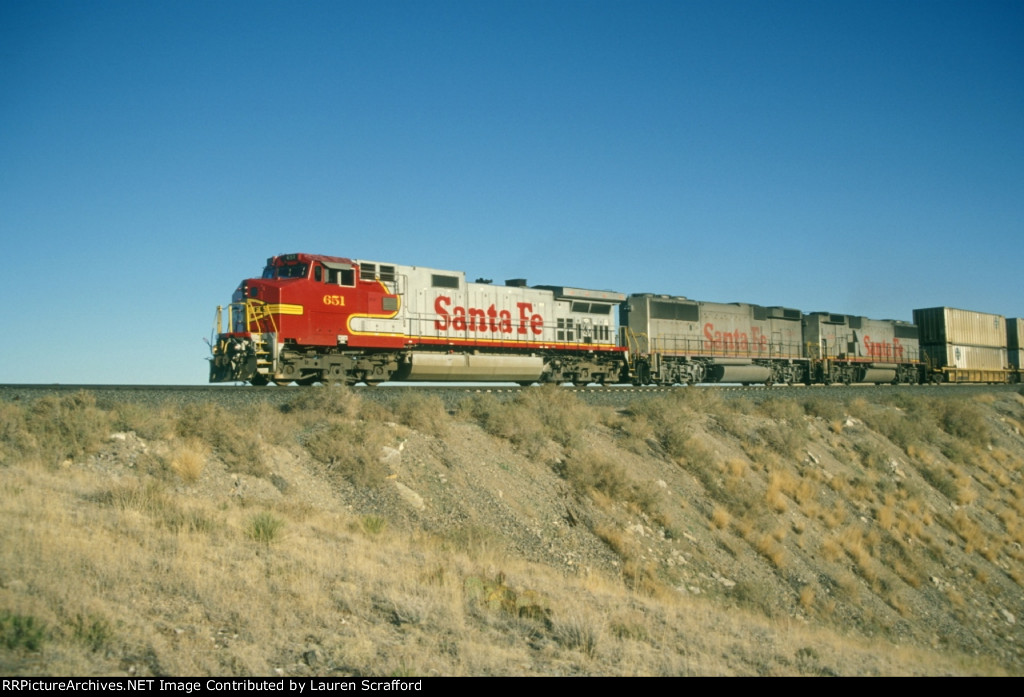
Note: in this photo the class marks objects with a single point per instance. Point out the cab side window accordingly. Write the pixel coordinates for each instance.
(341, 277)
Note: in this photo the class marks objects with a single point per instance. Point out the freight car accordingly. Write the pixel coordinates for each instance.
(316, 318)
(313, 318)
(964, 346)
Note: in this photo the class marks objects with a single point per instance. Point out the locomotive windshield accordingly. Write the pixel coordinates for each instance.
(286, 271)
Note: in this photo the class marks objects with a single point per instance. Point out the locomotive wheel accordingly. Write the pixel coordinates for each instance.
(258, 380)
(335, 375)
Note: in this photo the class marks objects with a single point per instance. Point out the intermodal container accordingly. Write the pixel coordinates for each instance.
(947, 325)
(965, 357)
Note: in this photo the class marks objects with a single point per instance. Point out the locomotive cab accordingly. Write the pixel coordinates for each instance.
(298, 300)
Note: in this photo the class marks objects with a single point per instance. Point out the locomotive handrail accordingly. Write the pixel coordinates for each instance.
(632, 342)
(257, 311)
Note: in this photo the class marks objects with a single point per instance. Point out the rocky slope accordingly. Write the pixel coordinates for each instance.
(677, 535)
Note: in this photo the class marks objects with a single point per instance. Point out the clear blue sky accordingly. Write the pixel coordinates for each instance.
(859, 157)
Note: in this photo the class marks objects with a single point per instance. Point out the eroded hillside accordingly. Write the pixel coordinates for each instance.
(680, 535)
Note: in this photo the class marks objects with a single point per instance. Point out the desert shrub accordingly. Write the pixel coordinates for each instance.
(21, 632)
(231, 439)
(633, 431)
(15, 439)
(871, 455)
(960, 452)
(332, 400)
(349, 448)
(593, 469)
(964, 420)
(424, 413)
(373, 524)
(781, 409)
(825, 408)
(674, 437)
(579, 631)
(147, 422)
(148, 498)
(903, 426)
(785, 437)
(92, 630)
(757, 595)
(178, 519)
(941, 481)
(266, 425)
(515, 422)
(559, 411)
(696, 400)
(264, 527)
(55, 429)
(488, 412)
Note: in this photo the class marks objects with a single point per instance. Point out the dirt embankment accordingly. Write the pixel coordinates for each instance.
(680, 535)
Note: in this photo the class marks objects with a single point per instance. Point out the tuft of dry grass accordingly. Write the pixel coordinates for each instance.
(188, 459)
(720, 518)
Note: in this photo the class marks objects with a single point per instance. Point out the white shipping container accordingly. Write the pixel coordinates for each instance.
(966, 357)
(948, 325)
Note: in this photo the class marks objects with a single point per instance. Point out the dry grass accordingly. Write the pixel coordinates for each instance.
(742, 559)
(188, 459)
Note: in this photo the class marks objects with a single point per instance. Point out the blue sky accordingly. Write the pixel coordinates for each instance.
(858, 157)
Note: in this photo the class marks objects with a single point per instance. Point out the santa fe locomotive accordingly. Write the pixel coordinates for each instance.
(313, 318)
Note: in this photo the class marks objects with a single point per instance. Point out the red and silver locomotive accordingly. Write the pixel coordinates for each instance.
(317, 318)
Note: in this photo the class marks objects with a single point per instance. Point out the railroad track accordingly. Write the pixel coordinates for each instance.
(452, 395)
